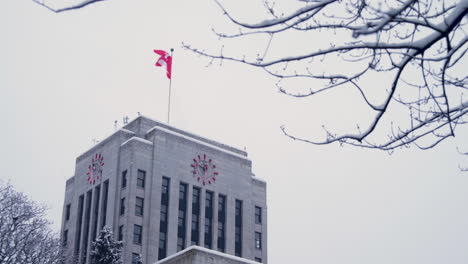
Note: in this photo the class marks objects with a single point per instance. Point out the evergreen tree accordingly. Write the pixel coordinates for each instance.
(137, 260)
(106, 249)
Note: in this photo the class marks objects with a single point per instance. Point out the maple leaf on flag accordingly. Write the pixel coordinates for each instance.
(164, 60)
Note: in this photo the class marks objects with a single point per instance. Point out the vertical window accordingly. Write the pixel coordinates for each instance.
(195, 216)
(97, 192)
(122, 206)
(163, 215)
(221, 223)
(141, 175)
(124, 179)
(139, 205)
(258, 259)
(165, 186)
(180, 243)
(67, 212)
(181, 227)
(162, 245)
(137, 234)
(162, 250)
(79, 224)
(258, 240)
(104, 204)
(65, 238)
(121, 230)
(89, 197)
(238, 229)
(208, 219)
(258, 215)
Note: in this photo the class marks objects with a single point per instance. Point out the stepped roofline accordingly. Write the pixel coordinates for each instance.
(142, 126)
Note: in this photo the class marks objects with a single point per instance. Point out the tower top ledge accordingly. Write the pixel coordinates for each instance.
(142, 126)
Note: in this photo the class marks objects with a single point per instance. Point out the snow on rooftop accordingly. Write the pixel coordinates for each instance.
(209, 251)
(187, 133)
(197, 141)
(137, 139)
(258, 179)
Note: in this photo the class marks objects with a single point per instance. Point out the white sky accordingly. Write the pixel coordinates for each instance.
(65, 78)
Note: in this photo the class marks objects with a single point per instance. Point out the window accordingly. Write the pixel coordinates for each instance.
(238, 229)
(162, 251)
(65, 237)
(136, 258)
(104, 204)
(89, 198)
(258, 259)
(137, 234)
(97, 191)
(80, 217)
(122, 206)
(163, 215)
(258, 215)
(181, 226)
(181, 218)
(258, 240)
(208, 232)
(195, 216)
(124, 179)
(121, 230)
(162, 246)
(165, 185)
(182, 192)
(180, 243)
(141, 178)
(162, 240)
(139, 206)
(67, 212)
(195, 230)
(221, 222)
(208, 219)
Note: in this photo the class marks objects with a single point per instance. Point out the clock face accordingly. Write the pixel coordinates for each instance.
(204, 170)
(95, 168)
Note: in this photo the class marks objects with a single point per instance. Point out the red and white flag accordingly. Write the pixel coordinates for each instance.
(164, 60)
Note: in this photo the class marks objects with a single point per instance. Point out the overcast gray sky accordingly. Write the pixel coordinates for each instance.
(65, 78)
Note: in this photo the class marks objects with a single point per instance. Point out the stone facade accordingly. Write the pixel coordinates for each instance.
(99, 196)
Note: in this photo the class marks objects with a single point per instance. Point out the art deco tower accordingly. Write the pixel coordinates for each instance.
(162, 189)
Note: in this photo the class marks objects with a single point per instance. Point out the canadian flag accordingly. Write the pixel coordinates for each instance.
(164, 60)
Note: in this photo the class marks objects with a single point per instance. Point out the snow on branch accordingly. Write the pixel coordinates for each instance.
(67, 8)
(420, 45)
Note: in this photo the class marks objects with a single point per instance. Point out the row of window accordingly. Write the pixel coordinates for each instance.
(138, 233)
(141, 177)
(139, 211)
(139, 206)
(87, 219)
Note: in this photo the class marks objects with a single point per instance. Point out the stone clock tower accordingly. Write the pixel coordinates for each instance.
(161, 190)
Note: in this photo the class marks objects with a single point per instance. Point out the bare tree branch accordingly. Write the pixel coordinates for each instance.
(68, 8)
(25, 236)
(396, 38)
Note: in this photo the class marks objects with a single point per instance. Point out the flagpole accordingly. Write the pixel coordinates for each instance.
(169, 99)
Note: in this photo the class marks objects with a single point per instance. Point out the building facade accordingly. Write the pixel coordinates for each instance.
(161, 190)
